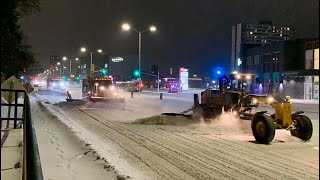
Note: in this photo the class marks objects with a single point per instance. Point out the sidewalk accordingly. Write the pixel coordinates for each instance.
(11, 154)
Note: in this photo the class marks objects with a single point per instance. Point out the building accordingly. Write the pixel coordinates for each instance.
(287, 68)
(245, 36)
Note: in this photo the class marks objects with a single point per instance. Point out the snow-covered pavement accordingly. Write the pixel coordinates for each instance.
(176, 148)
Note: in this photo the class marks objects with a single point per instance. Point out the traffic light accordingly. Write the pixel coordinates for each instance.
(136, 73)
(104, 71)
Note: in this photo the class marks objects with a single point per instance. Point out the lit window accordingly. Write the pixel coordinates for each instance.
(250, 32)
(280, 35)
(316, 58)
(288, 29)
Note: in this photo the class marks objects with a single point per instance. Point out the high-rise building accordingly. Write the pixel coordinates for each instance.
(246, 35)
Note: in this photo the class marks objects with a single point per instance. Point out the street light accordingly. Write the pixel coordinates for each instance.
(127, 27)
(83, 49)
(70, 66)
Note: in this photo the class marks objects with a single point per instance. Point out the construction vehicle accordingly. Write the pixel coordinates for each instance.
(234, 95)
(56, 83)
(100, 89)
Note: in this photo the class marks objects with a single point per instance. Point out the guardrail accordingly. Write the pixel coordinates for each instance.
(31, 159)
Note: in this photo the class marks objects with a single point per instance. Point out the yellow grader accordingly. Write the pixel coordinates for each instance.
(234, 95)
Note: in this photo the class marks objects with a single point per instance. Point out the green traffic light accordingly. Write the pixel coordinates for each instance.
(104, 71)
(136, 73)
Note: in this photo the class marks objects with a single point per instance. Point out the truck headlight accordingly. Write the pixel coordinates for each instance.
(101, 87)
(270, 99)
(254, 101)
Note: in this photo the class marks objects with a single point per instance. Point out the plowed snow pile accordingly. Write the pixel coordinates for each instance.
(229, 123)
(166, 120)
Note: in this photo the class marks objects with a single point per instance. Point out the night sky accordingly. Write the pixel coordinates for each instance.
(195, 33)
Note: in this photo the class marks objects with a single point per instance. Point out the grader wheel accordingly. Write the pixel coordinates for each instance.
(303, 129)
(263, 128)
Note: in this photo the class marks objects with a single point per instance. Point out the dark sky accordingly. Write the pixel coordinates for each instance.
(194, 33)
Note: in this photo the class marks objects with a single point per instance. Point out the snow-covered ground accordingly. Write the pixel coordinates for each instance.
(176, 148)
(63, 154)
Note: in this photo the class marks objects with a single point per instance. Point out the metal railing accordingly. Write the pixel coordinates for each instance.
(31, 159)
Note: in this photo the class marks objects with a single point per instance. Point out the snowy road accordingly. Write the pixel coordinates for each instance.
(224, 149)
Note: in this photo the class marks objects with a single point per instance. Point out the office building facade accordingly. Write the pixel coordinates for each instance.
(245, 36)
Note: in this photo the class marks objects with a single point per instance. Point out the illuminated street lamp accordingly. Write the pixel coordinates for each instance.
(127, 27)
(83, 49)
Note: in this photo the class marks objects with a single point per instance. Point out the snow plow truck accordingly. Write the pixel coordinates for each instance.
(100, 89)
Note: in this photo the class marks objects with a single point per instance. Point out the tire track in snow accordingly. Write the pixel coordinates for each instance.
(272, 170)
(268, 160)
(164, 169)
(137, 134)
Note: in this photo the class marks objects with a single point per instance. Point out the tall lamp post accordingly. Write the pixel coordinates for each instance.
(83, 49)
(70, 66)
(127, 27)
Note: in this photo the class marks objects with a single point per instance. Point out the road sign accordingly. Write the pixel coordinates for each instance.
(11, 83)
(92, 67)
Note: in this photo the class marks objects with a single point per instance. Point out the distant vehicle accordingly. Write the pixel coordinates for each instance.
(56, 83)
(38, 83)
(135, 86)
(174, 88)
(169, 83)
(131, 86)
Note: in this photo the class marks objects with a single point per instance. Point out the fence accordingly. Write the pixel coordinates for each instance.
(31, 159)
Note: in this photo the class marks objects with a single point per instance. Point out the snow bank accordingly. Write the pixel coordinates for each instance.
(166, 120)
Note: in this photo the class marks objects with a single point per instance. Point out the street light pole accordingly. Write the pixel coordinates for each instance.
(158, 82)
(90, 64)
(70, 68)
(127, 27)
(139, 61)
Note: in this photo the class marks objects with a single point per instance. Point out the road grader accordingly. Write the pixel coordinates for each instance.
(234, 94)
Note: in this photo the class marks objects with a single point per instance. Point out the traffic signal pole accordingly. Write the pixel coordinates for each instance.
(158, 76)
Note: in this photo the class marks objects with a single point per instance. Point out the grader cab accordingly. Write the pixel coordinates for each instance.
(235, 95)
